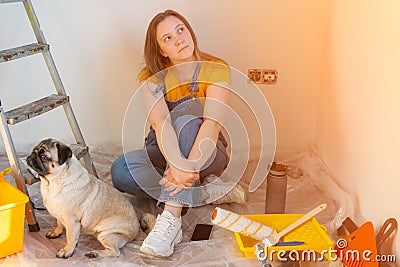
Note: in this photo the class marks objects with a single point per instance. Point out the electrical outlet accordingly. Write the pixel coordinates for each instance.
(269, 76)
(263, 76)
(255, 75)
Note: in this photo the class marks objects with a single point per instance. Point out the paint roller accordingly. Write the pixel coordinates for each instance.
(240, 224)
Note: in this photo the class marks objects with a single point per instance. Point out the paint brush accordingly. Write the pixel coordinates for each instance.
(274, 238)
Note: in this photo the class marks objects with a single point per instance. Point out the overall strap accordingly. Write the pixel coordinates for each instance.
(194, 84)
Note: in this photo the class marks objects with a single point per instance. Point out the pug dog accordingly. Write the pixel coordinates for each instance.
(80, 200)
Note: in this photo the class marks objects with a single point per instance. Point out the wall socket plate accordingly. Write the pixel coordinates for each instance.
(263, 76)
(270, 76)
(255, 75)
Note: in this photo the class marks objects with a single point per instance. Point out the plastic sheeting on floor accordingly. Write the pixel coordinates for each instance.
(303, 194)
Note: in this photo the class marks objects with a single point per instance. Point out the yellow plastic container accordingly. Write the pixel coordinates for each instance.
(12, 214)
(313, 234)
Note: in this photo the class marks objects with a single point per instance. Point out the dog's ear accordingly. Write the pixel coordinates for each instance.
(64, 153)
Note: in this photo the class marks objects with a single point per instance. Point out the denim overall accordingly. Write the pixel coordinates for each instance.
(138, 172)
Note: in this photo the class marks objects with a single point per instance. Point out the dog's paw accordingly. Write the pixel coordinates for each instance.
(92, 254)
(53, 234)
(110, 252)
(64, 253)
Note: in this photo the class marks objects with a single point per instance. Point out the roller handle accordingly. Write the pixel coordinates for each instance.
(300, 221)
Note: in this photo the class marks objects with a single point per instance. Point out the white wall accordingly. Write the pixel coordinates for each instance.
(98, 45)
(359, 124)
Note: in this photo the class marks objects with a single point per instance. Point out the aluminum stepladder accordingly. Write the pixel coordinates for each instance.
(21, 175)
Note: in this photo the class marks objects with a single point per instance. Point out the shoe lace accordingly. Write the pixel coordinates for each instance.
(235, 194)
(163, 227)
(219, 196)
(222, 197)
(220, 191)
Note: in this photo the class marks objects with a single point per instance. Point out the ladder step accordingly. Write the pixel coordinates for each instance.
(36, 108)
(79, 150)
(10, 1)
(29, 177)
(22, 51)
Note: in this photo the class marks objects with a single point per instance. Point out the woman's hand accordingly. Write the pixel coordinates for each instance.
(174, 185)
(182, 177)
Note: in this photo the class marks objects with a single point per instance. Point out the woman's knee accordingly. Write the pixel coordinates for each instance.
(118, 172)
(186, 128)
(187, 124)
(122, 171)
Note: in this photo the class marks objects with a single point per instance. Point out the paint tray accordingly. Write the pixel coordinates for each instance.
(12, 214)
(313, 234)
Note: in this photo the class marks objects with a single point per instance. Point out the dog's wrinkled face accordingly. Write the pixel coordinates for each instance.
(47, 157)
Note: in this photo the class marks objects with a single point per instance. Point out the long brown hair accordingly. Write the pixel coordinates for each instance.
(154, 61)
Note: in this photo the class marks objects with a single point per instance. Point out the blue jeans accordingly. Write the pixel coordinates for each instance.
(138, 172)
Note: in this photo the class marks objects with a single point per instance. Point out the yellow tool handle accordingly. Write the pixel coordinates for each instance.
(300, 221)
(5, 172)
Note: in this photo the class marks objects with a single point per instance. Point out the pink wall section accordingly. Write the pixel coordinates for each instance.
(358, 125)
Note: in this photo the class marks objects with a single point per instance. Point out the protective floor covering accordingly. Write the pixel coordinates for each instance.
(315, 187)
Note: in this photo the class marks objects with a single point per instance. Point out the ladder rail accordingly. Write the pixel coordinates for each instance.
(55, 76)
(41, 39)
(16, 168)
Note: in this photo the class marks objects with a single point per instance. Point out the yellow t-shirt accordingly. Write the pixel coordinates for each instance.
(210, 72)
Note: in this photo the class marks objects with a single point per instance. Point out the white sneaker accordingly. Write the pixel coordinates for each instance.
(224, 192)
(165, 234)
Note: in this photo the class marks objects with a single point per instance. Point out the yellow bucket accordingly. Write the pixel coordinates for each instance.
(12, 214)
(313, 234)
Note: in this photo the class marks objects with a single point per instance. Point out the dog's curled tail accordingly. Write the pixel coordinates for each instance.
(147, 222)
